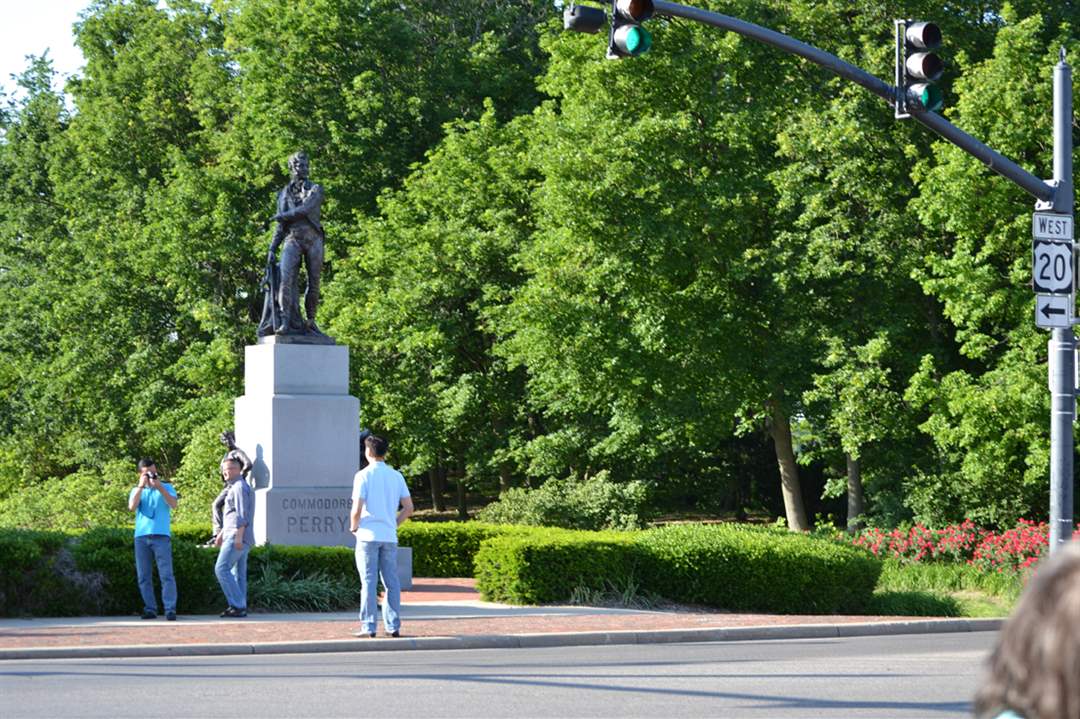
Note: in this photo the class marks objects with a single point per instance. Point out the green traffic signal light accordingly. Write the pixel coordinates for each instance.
(632, 39)
(928, 95)
(917, 67)
(628, 38)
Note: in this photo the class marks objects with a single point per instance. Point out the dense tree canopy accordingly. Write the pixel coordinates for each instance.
(714, 268)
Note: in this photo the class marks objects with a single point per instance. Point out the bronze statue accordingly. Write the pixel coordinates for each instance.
(300, 235)
(228, 438)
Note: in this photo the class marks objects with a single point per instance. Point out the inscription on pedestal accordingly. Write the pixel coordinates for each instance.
(312, 516)
(316, 515)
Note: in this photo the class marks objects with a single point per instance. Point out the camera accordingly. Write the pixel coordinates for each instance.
(151, 475)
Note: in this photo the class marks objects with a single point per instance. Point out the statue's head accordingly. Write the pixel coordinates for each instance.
(298, 165)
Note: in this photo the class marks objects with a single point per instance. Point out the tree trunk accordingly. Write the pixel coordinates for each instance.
(855, 504)
(505, 477)
(438, 486)
(789, 471)
(462, 508)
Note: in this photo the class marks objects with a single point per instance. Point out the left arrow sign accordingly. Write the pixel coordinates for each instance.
(1052, 311)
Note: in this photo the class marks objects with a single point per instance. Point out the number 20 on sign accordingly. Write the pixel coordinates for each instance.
(1053, 267)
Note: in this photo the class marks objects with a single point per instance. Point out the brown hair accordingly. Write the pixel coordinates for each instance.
(1035, 668)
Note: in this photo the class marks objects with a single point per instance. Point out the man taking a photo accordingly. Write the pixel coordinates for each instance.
(153, 500)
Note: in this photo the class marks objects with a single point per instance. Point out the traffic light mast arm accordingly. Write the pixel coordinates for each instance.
(994, 160)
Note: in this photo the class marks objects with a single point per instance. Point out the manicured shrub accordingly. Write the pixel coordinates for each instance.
(306, 561)
(597, 503)
(547, 565)
(729, 566)
(745, 568)
(446, 549)
(56, 574)
(110, 553)
(197, 587)
(196, 533)
(38, 576)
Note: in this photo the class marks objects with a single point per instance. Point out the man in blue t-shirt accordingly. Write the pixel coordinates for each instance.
(153, 500)
(378, 489)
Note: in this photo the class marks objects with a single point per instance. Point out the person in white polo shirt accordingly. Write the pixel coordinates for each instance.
(378, 492)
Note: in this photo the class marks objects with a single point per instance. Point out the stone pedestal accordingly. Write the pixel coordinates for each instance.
(300, 426)
(301, 429)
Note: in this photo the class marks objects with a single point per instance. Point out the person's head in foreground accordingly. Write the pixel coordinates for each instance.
(1034, 671)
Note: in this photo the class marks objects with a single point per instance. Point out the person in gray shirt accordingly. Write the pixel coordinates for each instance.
(235, 539)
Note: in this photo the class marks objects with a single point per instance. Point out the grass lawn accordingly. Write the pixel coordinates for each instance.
(944, 589)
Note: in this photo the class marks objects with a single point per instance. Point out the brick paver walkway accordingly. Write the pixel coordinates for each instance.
(458, 614)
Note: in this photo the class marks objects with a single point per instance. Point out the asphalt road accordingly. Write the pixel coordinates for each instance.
(898, 676)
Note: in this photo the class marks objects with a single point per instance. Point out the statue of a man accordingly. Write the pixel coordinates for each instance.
(300, 236)
(217, 506)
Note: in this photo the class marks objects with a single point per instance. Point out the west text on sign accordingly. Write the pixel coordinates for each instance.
(1050, 226)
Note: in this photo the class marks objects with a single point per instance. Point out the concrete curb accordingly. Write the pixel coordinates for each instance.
(518, 641)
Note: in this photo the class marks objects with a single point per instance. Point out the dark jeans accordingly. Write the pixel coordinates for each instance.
(150, 547)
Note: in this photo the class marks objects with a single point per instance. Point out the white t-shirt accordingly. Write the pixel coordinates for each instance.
(382, 488)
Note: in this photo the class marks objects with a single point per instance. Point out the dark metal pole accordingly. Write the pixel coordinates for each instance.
(1062, 344)
(995, 161)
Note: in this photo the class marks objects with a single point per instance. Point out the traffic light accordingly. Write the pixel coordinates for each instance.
(582, 18)
(628, 38)
(918, 68)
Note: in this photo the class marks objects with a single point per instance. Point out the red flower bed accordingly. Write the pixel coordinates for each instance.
(1013, 550)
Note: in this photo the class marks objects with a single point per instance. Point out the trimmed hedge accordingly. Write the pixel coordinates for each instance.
(57, 574)
(440, 549)
(447, 549)
(305, 561)
(728, 566)
(194, 533)
(745, 568)
(38, 575)
(545, 565)
(110, 553)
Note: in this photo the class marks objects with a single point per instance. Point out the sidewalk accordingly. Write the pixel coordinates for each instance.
(436, 614)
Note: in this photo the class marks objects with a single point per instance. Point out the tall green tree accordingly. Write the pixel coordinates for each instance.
(434, 268)
(648, 317)
(32, 231)
(988, 412)
(163, 179)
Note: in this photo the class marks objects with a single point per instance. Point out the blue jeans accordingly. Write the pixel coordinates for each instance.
(231, 571)
(374, 559)
(150, 547)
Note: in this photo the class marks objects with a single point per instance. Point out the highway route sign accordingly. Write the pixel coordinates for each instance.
(1052, 270)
